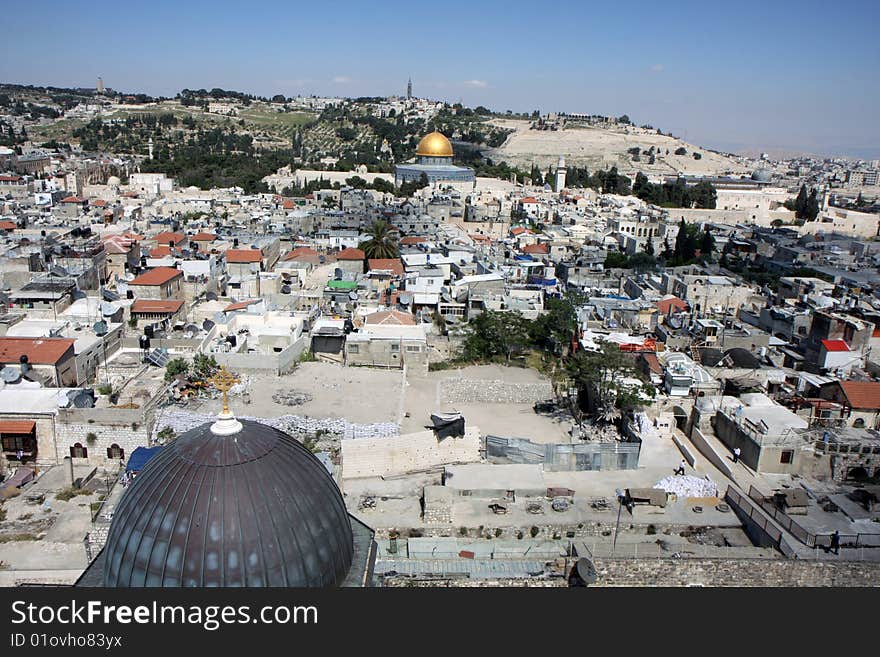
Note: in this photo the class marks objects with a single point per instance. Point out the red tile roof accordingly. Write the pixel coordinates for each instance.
(391, 318)
(519, 230)
(168, 237)
(204, 237)
(100, 203)
(862, 394)
(156, 306)
(671, 304)
(39, 351)
(536, 249)
(835, 345)
(17, 426)
(529, 199)
(7, 225)
(157, 276)
(287, 204)
(73, 199)
(394, 265)
(10, 178)
(160, 251)
(244, 255)
(240, 305)
(351, 254)
(412, 239)
(302, 253)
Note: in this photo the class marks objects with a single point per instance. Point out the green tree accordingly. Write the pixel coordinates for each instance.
(175, 367)
(812, 210)
(599, 375)
(707, 244)
(382, 242)
(800, 203)
(495, 334)
(554, 329)
(537, 178)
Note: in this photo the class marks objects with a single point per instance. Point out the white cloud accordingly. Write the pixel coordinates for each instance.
(477, 83)
(342, 79)
(658, 68)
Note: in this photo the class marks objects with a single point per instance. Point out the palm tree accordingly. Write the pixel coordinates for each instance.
(382, 242)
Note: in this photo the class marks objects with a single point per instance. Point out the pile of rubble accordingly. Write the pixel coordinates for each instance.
(179, 421)
(688, 486)
(493, 392)
(291, 397)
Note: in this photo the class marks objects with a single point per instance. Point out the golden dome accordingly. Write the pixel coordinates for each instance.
(434, 145)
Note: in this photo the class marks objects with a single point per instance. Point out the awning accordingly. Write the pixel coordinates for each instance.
(17, 426)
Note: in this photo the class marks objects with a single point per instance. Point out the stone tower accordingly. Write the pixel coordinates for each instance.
(560, 175)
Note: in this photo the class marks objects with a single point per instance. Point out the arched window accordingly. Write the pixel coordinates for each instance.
(859, 423)
(78, 451)
(115, 452)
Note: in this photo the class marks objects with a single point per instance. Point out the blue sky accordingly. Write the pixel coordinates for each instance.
(736, 75)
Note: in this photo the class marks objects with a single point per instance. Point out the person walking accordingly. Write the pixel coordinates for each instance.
(681, 467)
(736, 454)
(835, 542)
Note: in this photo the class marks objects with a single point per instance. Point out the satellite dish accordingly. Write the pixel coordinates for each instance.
(285, 289)
(207, 325)
(10, 375)
(100, 328)
(211, 296)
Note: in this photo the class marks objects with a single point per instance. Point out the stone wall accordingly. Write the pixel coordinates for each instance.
(468, 391)
(128, 428)
(734, 572)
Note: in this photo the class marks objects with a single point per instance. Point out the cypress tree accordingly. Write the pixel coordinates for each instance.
(800, 203)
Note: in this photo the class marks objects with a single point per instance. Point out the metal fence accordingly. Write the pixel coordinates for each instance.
(804, 535)
(616, 455)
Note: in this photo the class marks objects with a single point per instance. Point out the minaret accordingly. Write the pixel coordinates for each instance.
(560, 175)
(150, 147)
(100, 86)
(409, 89)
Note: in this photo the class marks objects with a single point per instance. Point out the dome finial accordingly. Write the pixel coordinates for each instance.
(226, 424)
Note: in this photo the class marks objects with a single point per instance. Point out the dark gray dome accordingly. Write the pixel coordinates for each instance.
(762, 175)
(255, 508)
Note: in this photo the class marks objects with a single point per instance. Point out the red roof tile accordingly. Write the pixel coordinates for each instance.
(240, 305)
(862, 394)
(204, 237)
(393, 265)
(835, 345)
(160, 251)
(156, 306)
(7, 225)
(39, 351)
(412, 239)
(169, 237)
(302, 253)
(157, 276)
(17, 426)
(536, 249)
(390, 318)
(671, 304)
(351, 254)
(73, 199)
(244, 255)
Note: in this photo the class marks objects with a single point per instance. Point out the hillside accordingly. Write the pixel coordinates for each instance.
(601, 148)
